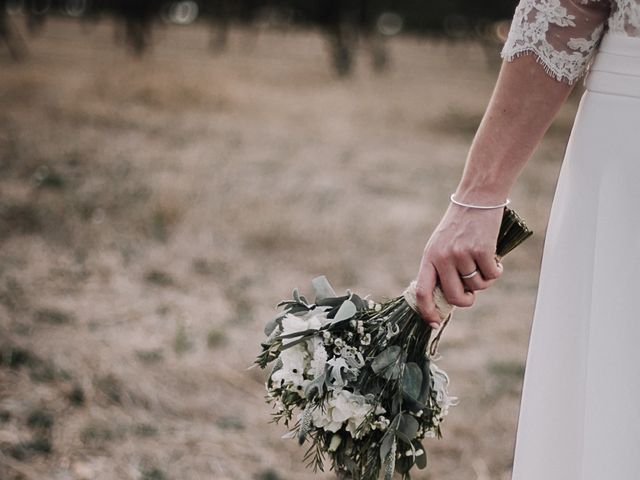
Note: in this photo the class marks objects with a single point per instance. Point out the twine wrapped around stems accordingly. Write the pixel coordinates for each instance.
(444, 308)
(513, 231)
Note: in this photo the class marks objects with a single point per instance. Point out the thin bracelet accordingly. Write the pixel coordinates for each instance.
(507, 202)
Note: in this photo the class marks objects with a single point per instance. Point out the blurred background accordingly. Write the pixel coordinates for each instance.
(169, 171)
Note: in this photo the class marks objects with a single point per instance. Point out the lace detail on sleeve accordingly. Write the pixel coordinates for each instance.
(562, 34)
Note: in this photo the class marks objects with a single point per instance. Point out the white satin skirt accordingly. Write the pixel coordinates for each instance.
(580, 408)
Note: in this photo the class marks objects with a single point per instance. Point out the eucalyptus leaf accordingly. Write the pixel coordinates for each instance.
(425, 388)
(395, 404)
(412, 380)
(408, 425)
(386, 358)
(393, 372)
(400, 435)
(404, 464)
(421, 460)
(413, 405)
(322, 288)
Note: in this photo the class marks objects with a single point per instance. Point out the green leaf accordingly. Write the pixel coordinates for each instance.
(270, 327)
(404, 464)
(299, 333)
(385, 359)
(412, 380)
(331, 301)
(296, 295)
(346, 311)
(297, 308)
(408, 425)
(425, 389)
(358, 302)
(421, 460)
(322, 288)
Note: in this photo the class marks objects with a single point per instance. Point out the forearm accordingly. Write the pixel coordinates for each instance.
(524, 102)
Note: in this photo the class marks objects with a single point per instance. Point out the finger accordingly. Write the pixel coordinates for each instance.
(452, 286)
(425, 283)
(489, 266)
(477, 281)
(465, 264)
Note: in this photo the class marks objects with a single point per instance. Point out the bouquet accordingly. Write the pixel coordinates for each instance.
(357, 379)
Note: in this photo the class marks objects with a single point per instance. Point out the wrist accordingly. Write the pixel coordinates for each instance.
(474, 206)
(481, 195)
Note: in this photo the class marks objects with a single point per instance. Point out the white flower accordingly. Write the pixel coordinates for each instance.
(352, 408)
(293, 367)
(293, 323)
(313, 319)
(343, 407)
(324, 419)
(440, 384)
(318, 320)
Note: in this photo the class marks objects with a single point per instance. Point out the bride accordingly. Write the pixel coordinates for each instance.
(580, 408)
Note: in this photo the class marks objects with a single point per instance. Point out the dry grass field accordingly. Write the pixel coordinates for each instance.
(153, 212)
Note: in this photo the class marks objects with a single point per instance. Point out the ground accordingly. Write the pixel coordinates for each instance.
(154, 211)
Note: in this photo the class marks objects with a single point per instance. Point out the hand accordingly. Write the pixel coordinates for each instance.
(465, 239)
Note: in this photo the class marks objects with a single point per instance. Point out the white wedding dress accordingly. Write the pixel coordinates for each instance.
(580, 408)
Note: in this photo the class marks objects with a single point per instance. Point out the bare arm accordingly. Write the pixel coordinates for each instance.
(524, 102)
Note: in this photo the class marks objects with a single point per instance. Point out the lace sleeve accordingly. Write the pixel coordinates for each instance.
(562, 34)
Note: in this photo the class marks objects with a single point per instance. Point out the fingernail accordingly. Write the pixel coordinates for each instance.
(434, 325)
